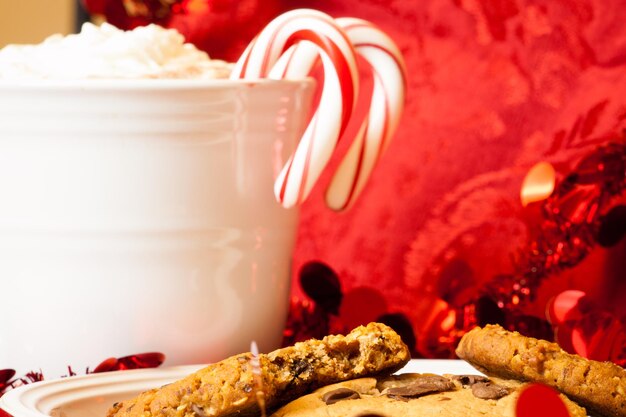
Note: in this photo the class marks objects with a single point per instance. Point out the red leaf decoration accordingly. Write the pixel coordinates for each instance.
(540, 400)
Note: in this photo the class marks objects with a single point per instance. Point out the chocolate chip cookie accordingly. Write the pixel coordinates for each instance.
(599, 386)
(230, 387)
(414, 395)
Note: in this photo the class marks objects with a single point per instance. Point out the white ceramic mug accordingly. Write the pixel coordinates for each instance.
(138, 216)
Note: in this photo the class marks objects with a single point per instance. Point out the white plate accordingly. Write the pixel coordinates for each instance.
(91, 395)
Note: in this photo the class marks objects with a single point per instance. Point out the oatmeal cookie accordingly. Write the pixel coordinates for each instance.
(415, 395)
(599, 386)
(228, 388)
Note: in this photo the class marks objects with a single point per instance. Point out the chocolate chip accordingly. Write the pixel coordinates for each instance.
(278, 361)
(340, 394)
(299, 367)
(489, 391)
(421, 385)
(470, 379)
(199, 412)
(370, 415)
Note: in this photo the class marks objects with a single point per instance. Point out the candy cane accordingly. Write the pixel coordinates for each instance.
(386, 106)
(338, 98)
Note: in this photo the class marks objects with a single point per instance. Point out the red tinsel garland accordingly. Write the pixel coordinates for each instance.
(573, 220)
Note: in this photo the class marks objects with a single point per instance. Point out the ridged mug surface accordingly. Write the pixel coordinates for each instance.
(139, 216)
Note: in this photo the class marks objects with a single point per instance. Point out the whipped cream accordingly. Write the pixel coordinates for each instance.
(106, 52)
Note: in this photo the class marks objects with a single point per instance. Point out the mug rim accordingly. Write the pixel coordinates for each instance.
(162, 84)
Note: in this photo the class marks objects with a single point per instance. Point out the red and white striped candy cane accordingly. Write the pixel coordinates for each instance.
(338, 98)
(386, 106)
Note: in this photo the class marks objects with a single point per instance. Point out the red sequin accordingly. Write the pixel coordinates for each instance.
(137, 361)
(540, 400)
(583, 327)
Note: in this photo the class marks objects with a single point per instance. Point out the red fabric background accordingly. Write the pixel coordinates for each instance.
(494, 87)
